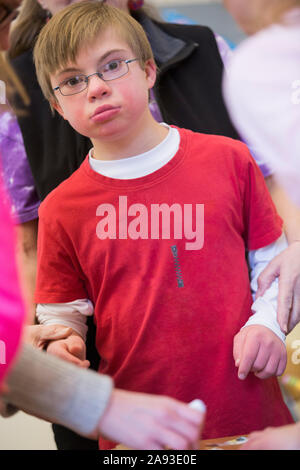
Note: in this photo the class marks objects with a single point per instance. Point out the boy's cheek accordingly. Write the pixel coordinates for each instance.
(74, 115)
(129, 92)
(135, 102)
(80, 123)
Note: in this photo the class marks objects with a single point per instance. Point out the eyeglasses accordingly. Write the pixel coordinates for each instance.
(7, 14)
(110, 71)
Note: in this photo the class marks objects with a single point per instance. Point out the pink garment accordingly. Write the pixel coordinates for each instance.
(262, 92)
(12, 308)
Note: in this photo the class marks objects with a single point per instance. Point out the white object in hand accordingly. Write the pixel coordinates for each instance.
(198, 405)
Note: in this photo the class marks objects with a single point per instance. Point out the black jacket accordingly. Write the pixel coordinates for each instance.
(188, 91)
(189, 84)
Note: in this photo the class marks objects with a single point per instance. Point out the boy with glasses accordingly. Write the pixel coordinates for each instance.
(168, 304)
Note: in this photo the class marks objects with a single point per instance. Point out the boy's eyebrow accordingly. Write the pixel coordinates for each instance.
(72, 69)
(103, 57)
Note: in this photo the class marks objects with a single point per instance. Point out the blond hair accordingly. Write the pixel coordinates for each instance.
(78, 25)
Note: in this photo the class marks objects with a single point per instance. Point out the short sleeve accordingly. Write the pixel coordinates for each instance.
(59, 277)
(262, 223)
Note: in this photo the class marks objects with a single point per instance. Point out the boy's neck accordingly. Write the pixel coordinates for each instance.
(139, 140)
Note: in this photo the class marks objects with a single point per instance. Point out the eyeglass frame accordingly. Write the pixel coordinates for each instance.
(99, 74)
(8, 11)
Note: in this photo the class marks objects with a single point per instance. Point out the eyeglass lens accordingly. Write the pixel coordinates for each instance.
(111, 71)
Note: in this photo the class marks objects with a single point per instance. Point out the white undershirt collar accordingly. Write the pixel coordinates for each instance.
(139, 165)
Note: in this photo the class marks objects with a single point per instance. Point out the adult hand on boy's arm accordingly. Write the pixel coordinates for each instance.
(285, 266)
(71, 349)
(257, 349)
(143, 421)
(40, 335)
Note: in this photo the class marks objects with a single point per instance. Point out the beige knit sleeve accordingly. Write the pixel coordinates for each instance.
(52, 389)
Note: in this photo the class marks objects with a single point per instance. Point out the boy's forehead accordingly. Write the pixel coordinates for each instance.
(97, 50)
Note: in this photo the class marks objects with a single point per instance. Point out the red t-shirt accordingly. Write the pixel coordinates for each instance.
(167, 313)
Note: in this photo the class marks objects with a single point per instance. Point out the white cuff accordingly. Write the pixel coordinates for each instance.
(265, 315)
(71, 314)
(265, 307)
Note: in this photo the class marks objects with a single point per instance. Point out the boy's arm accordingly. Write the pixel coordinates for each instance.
(259, 346)
(265, 306)
(72, 315)
(60, 280)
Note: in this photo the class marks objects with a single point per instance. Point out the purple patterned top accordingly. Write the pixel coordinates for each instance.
(16, 170)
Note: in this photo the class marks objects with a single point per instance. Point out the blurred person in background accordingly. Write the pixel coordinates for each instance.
(261, 95)
(262, 92)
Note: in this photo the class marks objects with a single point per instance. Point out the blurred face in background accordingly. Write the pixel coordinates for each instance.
(253, 15)
(247, 13)
(8, 12)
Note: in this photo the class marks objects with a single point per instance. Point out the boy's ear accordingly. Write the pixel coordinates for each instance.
(150, 70)
(55, 105)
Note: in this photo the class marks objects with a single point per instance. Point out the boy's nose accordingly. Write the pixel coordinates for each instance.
(97, 87)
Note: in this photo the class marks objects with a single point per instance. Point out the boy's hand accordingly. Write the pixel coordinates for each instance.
(71, 349)
(257, 349)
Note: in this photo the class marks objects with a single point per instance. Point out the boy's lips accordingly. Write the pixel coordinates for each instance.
(105, 112)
